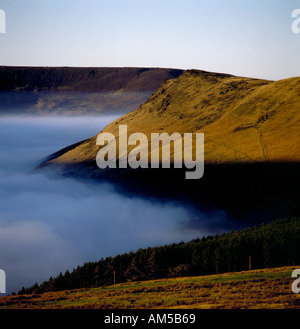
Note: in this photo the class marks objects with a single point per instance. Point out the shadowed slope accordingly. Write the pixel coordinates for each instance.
(84, 78)
(75, 90)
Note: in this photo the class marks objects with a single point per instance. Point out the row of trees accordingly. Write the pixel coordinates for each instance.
(268, 245)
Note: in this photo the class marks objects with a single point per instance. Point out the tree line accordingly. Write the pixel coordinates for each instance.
(273, 244)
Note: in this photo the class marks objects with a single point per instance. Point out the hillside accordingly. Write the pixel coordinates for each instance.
(244, 120)
(252, 144)
(270, 245)
(84, 79)
(71, 90)
(259, 289)
(211, 272)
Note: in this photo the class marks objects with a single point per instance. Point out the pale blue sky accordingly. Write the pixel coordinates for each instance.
(247, 38)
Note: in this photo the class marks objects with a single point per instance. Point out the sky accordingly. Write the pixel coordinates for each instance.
(247, 38)
(45, 233)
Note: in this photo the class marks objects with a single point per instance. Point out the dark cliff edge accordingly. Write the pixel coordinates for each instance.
(76, 90)
(84, 78)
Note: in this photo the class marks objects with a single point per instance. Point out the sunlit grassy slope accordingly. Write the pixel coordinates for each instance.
(267, 289)
(243, 119)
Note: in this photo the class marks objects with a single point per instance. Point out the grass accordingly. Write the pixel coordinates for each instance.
(257, 289)
(244, 120)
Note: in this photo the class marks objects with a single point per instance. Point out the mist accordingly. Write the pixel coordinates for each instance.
(49, 224)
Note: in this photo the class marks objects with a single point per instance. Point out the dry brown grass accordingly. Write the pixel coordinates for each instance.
(258, 289)
(243, 119)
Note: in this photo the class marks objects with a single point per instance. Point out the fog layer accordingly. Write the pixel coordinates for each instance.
(50, 224)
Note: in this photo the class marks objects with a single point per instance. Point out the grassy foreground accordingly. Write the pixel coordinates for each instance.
(265, 289)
